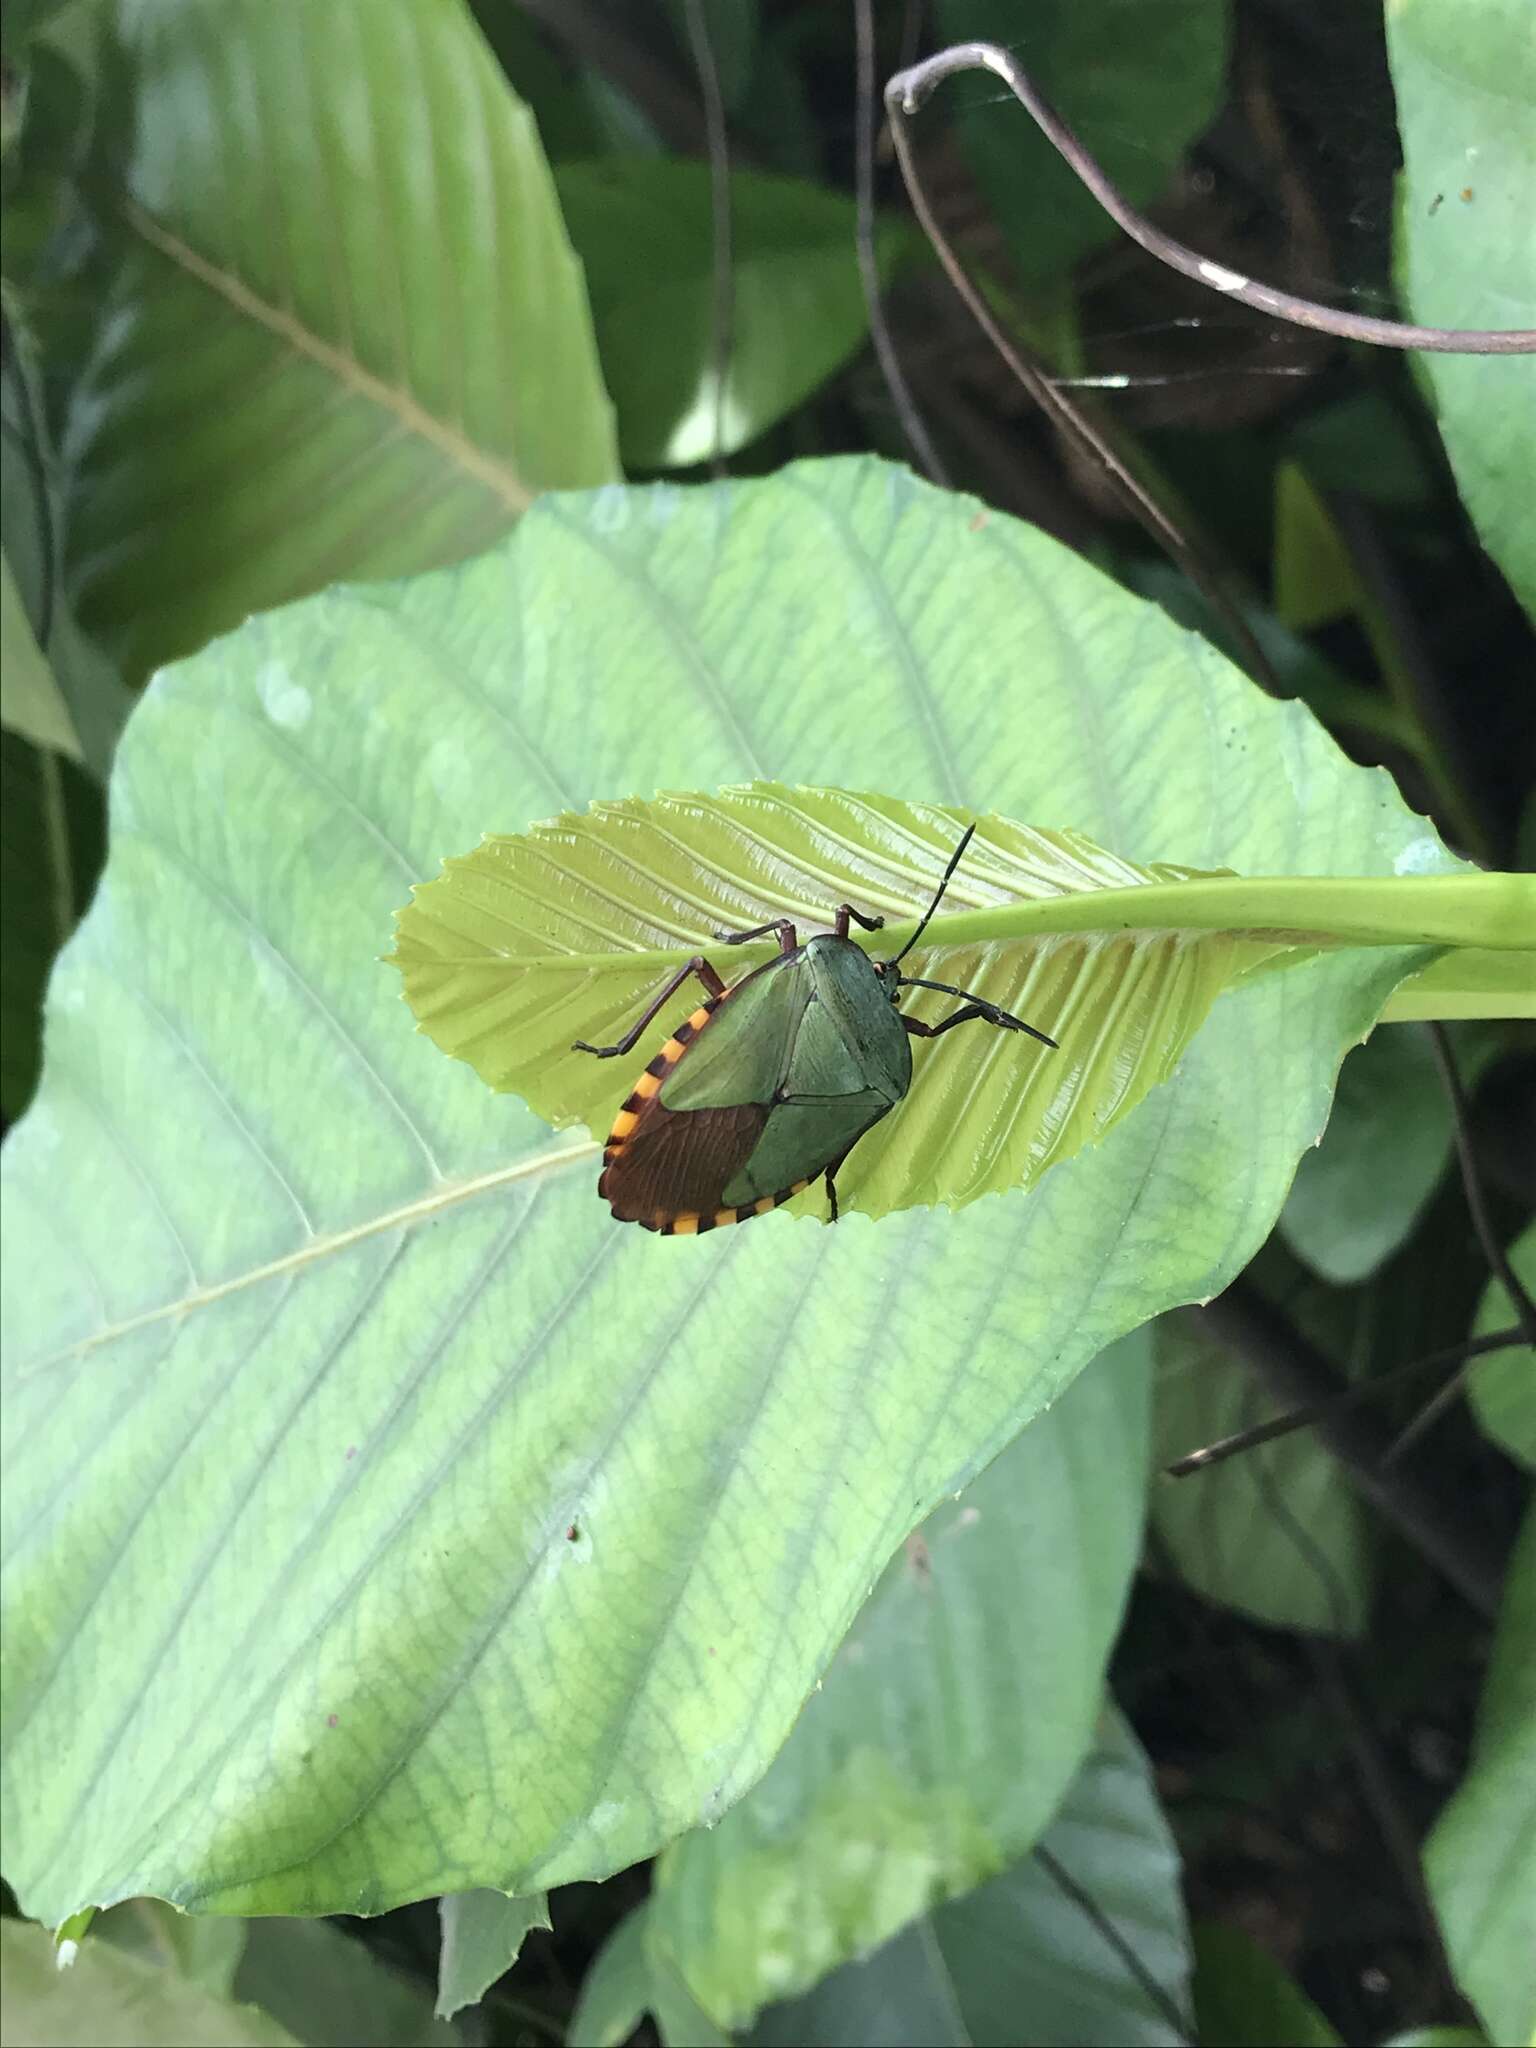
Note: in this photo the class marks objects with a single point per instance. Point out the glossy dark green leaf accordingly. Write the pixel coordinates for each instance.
(643, 230)
(108, 1998)
(1082, 1945)
(57, 689)
(331, 1991)
(616, 1992)
(1502, 1388)
(482, 1934)
(1244, 1999)
(1359, 1192)
(1137, 79)
(1480, 1861)
(52, 830)
(335, 329)
(1275, 1533)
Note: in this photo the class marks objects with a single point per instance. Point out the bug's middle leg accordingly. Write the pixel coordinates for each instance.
(697, 965)
(786, 931)
(845, 914)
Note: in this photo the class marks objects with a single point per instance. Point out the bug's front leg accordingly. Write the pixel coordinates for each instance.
(697, 965)
(987, 1013)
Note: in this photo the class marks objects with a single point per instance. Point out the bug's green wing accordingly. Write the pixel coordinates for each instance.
(801, 1140)
(811, 1037)
(746, 1050)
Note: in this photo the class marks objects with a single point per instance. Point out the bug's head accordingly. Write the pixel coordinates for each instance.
(891, 977)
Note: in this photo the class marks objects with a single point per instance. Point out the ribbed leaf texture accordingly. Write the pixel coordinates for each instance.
(520, 948)
(338, 331)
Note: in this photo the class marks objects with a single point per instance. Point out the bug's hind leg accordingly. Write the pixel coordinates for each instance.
(831, 1179)
(697, 965)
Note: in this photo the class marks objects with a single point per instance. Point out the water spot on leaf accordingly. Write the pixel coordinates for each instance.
(286, 702)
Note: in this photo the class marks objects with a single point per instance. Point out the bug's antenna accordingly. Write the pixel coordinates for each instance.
(954, 862)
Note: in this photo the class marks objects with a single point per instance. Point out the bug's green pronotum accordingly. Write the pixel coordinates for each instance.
(771, 1082)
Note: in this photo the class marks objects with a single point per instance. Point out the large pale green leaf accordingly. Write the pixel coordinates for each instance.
(1044, 1956)
(1138, 80)
(482, 1933)
(1503, 1386)
(950, 1723)
(315, 1350)
(525, 943)
(110, 1999)
(325, 321)
(1465, 79)
(1481, 1858)
(1275, 1533)
(643, 230)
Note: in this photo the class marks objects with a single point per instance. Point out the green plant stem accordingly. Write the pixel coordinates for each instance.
(1468, 981)
(1495, 912)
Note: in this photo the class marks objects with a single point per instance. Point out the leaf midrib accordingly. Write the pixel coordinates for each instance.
(1494, 911)
(393, 399)
(407, 1216)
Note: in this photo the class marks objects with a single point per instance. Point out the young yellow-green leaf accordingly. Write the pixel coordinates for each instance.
(530, 942)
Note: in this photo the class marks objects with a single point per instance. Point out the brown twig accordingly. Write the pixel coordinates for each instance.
(1460, 1355)
(1472, 1181)
(722, 275)
(1042, 389)
(907, 90)
(912, 424)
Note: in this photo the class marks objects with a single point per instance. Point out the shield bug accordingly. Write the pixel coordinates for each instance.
(772, 1081)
